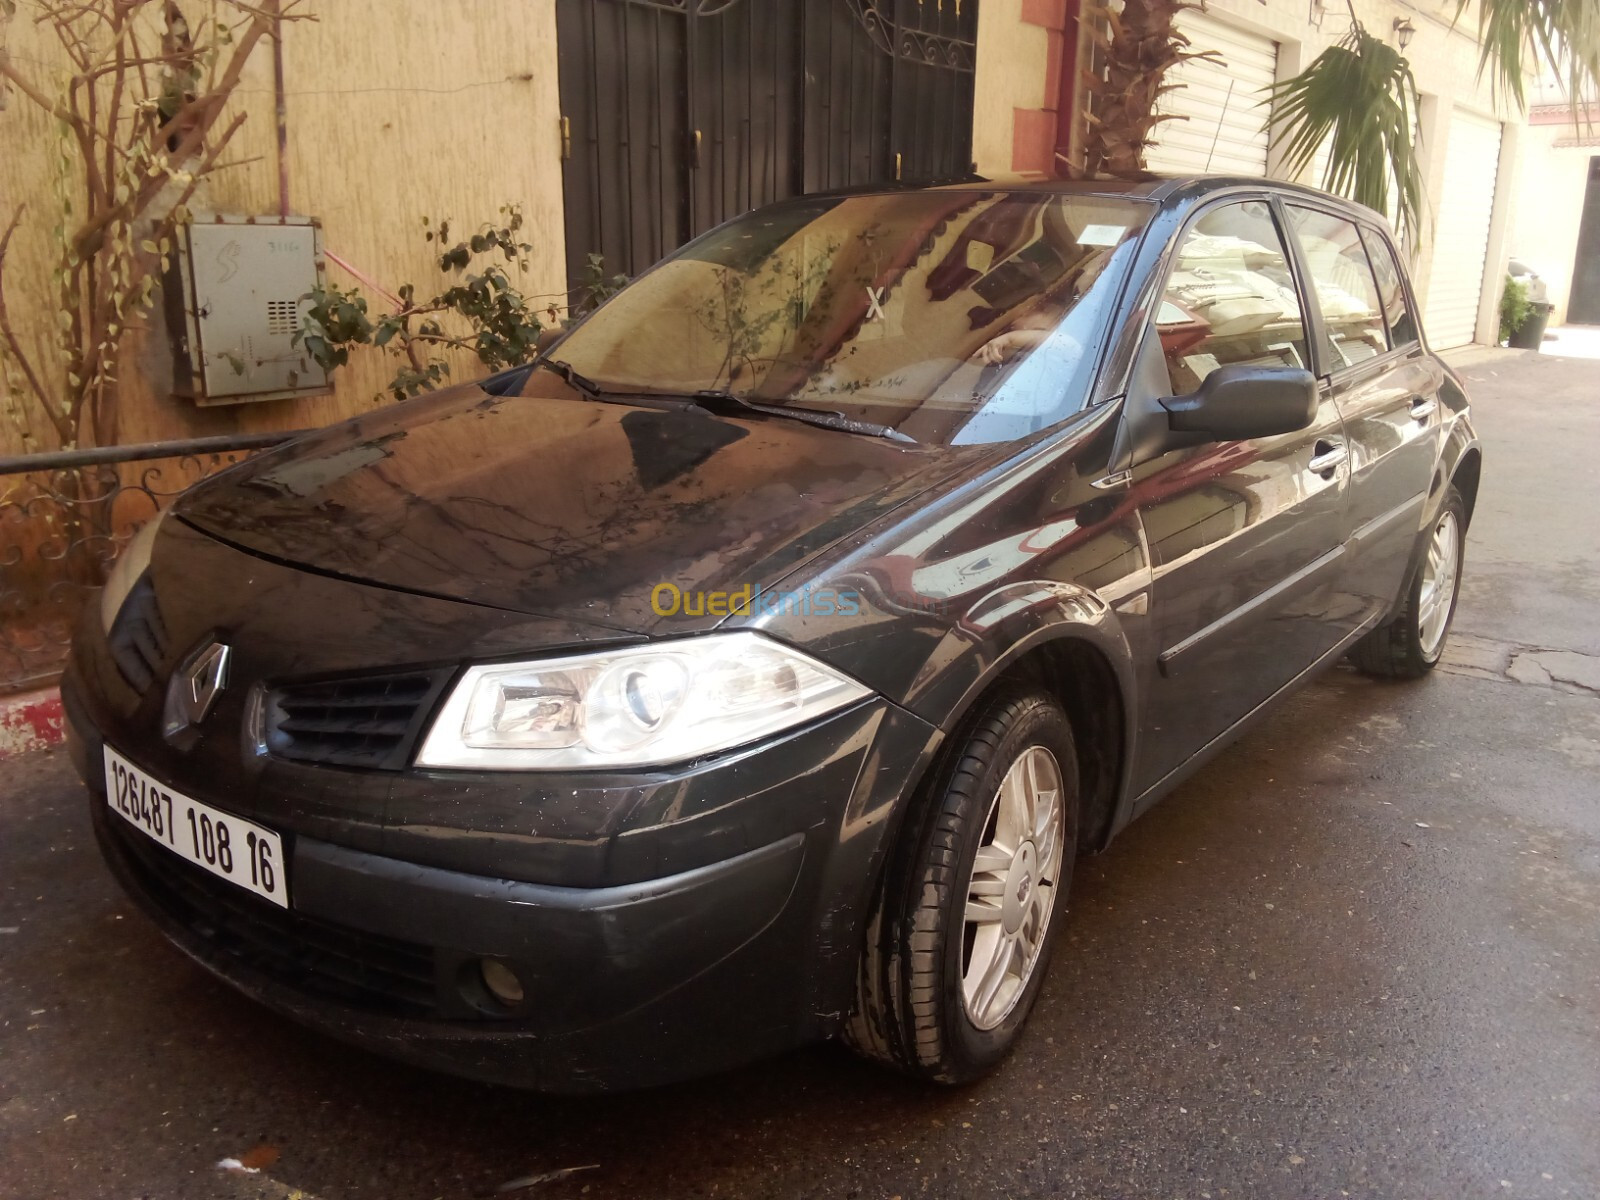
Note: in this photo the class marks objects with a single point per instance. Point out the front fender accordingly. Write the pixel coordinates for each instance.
(1003, 627)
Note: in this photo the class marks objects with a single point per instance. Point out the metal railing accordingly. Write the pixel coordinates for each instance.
(64, 518)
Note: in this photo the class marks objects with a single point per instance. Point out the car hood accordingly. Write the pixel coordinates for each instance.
(560, 506)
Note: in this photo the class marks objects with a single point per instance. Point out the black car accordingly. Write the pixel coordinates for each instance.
(753, 668)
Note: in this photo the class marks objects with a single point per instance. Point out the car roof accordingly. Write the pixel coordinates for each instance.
(1171, 191)
(1182, 187)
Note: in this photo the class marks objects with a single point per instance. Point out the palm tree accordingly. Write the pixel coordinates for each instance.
(1358, 97)
(1138, 45)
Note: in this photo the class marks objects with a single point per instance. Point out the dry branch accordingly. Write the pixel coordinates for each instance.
(144, 126)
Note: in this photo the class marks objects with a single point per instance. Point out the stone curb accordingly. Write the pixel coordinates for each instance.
(32, 721)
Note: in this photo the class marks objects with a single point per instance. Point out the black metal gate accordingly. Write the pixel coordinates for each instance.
(678, 114)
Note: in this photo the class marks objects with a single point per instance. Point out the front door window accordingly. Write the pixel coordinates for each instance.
(1230, 298)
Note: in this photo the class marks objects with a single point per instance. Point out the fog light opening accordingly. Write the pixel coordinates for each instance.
(501, 981)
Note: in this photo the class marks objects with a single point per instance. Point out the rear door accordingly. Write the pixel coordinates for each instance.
(1386, 389)
(1244, 537)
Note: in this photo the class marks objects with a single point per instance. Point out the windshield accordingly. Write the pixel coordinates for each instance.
(954, 317)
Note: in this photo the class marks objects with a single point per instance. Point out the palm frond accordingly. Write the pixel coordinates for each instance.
(1138, 44)
(1359, 98)
(1517, 36)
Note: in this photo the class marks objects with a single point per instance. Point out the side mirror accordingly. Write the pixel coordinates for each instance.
(1238, 402)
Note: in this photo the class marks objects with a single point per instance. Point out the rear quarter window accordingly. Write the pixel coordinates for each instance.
(1346, 288)
(1391, 291)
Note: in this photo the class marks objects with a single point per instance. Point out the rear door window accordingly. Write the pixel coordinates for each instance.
(1391, 291)
(1346, 290)
(1230, 298)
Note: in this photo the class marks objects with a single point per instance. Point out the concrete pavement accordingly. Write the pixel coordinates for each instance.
(1573, 341)
(1358, 955)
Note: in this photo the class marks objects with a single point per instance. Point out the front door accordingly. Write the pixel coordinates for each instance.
(1245, 537)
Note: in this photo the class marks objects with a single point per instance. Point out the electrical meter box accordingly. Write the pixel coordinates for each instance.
(240, 282)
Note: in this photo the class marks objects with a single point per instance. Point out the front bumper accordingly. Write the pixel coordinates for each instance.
(700, 966)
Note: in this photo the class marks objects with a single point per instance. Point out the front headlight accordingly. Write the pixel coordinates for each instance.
(125, 572)
(643, 706)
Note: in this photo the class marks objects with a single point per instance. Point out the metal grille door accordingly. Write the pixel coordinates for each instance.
(624, 130)
(679, 114)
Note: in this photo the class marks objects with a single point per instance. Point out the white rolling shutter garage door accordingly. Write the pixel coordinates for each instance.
(1461, 231)
(1226, 130)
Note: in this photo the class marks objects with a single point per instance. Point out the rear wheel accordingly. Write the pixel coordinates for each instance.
(1410, 645)
(961, 931)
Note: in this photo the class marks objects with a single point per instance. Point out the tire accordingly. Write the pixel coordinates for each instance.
(920, 987)
(1411, 644)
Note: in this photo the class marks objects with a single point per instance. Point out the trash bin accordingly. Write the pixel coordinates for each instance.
(1530, 334)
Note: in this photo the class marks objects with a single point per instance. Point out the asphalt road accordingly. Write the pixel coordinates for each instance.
(1359, 955)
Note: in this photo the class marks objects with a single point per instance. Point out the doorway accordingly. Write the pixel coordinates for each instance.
(1583, 304)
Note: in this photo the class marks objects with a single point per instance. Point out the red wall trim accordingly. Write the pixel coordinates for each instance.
(1561, 114)
(1052, 14)
(1066, 89)
(29, 722)
(1040, 135)
(1033, 137)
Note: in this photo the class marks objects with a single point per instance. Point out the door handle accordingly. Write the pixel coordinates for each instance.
(1328, 456)
(1422, 407)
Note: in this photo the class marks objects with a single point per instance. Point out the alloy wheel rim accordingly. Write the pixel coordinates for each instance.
(1011, 890)
(1438, 593)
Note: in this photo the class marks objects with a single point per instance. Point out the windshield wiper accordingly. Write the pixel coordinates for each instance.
(724, 402)
(718, 400)
(579, 382)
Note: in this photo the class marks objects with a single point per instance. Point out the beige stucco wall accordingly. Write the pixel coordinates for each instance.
(1012, 67)
(1550, 195)
(397, 109)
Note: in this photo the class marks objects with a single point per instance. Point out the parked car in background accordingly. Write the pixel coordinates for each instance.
(753, 668)
(1538, 289)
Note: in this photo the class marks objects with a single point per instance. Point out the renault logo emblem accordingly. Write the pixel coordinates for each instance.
(194, 688)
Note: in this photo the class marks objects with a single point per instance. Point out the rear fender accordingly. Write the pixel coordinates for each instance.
(1460, 442)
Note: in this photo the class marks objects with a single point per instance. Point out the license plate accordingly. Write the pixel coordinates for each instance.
(228, 846)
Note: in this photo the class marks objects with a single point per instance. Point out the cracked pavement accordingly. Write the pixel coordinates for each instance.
(1357, 955)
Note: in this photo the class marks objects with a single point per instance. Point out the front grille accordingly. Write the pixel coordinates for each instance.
(379, 974)
(138, 638)
(368, 722)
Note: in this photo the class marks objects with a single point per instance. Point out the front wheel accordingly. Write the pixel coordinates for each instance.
(1410, 645)
(962, 928)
